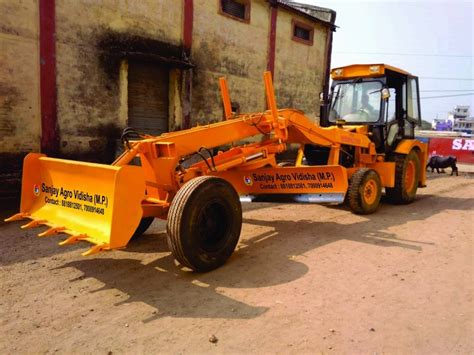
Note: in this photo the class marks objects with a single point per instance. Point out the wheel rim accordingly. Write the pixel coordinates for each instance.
(410, 176)
(370, 191)
(213, 226)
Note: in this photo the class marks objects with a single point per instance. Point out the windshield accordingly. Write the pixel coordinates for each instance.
(356, 102)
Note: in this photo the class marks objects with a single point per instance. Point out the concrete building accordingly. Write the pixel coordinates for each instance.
(460, 112)
(73, 74)
(458, 120)
(461, 120)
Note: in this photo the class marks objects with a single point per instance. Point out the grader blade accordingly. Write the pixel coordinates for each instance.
(97, 203)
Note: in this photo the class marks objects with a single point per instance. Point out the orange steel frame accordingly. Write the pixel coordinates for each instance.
(160, 156)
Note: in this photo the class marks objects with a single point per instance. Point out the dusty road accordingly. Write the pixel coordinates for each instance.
(305, 279)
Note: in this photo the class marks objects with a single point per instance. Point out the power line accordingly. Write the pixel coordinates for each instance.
(438, 78)
(442, 96)
(411, 54)
(446, 90)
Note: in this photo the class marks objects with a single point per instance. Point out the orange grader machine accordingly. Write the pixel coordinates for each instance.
(107, 205)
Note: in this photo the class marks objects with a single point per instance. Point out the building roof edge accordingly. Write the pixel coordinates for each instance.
(311, 12)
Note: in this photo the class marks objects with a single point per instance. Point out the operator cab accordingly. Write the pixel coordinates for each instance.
(380, 96)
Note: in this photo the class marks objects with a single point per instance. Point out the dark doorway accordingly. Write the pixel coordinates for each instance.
(148, 97)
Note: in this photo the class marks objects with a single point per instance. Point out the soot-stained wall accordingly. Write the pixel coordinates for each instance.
(300, 68)
(19, 89)
(95, 41)
(236, 50)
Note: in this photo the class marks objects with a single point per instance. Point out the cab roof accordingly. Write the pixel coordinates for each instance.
(364, 71)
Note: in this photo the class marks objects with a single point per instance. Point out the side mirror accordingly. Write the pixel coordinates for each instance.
(385, 94)
(321, 97)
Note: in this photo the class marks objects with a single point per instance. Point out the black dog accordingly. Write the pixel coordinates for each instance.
(439, 162)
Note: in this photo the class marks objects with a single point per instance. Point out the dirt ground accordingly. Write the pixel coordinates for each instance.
(305, 279)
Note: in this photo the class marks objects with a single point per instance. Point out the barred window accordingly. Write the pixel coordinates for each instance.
(302, 33)
(236, 9)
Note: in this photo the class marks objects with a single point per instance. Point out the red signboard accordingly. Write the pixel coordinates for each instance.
(461, 148)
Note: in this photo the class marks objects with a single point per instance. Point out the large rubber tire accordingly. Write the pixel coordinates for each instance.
(204, 223)
(407, 175)
(365, 191)
(145, 223)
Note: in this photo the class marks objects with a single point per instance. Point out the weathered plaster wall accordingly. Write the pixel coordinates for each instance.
(225, 47)
(19, 77)
(91, 107)
(20, 121)
(91, 37)
(299, 68)
(238, 51)
(92, 98)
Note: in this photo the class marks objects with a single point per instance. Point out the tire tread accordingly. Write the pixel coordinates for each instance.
(179, 210)
(355, 199)
(396, 194)
(175, 215)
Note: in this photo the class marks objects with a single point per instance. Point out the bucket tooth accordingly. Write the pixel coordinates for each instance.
(96, 248)
(34, 223)
(16, 217)
(73, 239)
(52, 231)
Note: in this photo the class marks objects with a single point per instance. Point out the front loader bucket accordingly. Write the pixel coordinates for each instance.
(93, 202)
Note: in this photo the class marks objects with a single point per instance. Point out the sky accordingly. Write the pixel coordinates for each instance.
(431, 39)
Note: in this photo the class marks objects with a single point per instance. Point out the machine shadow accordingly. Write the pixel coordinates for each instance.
(160, 284)
(24, 245)
(19, 245)
(262, 260)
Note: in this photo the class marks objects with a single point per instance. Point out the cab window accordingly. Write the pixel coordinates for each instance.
(356, 102)
(413, 112)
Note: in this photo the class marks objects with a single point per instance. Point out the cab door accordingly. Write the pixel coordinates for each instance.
(403, 110)
(413, 115)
